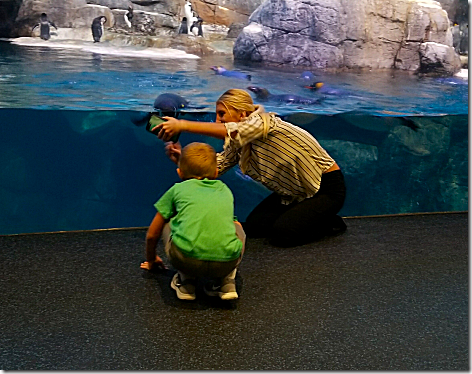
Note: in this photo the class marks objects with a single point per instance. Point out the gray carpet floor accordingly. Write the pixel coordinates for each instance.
(391, 293)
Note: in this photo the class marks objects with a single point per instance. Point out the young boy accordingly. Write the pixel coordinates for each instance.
(195, 219)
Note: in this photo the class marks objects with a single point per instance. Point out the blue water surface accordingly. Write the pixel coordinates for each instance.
(60, 78)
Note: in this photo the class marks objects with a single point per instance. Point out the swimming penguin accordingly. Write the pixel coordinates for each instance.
(129, 16)
(321, 88)
(220, 70)
(262, 94)
(169, 104)
(307, 75)
(44, 25)
(97, 28)
(183, 26)
(196, 28)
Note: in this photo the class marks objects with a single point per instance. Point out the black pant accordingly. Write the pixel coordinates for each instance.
(299, 223)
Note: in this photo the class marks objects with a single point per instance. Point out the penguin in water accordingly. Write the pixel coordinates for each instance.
(196, 28)
(183, 26)
(166, 104)
(97, 28)
(169, 104)
(263, 94)
(220, 70)
(321, 88)
(307, 75)
(44, 25)
(129, 16)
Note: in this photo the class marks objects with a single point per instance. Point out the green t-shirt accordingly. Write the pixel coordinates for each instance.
(201, 214)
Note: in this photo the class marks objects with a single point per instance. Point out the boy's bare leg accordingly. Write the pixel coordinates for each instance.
(241, 236)
(166, 238)
(228, 285)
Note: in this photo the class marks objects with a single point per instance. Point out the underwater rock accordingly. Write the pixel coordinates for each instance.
(431, 138)
(341, 34)
(358, 158)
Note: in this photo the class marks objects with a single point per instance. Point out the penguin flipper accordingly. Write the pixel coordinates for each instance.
(409, 123)
(197, 107)
(140, 118)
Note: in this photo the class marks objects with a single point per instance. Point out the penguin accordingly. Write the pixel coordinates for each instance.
(325, 90)
(263, 94)
(183, 26)
(129, 16)
(97, 28)
(169, 104)
(220, 70)
(44, 25)
(196, 28)
(166, 104)
(190, 15)
(307, 75)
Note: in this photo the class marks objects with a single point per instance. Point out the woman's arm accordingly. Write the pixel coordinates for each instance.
(173, 126)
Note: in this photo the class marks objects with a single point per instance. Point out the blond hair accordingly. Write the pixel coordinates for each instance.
(241, 101)
(198, 161)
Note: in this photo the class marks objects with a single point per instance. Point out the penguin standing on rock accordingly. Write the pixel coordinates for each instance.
(129, 16)
(196, 28)
(190, 15)
(97, 28)
(44, 25)
(183, 26)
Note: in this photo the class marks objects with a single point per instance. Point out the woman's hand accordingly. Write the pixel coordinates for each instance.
(168, 129)
(173, 151)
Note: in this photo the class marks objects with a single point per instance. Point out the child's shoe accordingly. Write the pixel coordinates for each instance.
(185, 290)
(226, 290)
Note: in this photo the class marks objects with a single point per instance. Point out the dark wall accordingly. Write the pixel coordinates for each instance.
(8, 12)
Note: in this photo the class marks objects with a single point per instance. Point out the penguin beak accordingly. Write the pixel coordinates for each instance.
(318, 85)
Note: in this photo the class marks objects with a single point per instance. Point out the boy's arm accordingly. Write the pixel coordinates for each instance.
(152, 237)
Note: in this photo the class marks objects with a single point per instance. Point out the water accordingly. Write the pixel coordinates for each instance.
(71, 159)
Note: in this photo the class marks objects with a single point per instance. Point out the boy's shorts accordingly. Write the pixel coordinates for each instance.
(199, 268)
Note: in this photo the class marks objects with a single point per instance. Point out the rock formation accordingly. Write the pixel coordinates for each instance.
(327, 34)
(225, 12)
(402, 34)
(17, 17)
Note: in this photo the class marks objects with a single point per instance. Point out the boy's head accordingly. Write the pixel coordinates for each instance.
(198, 161)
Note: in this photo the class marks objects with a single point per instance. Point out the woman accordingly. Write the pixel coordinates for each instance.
(308, 186)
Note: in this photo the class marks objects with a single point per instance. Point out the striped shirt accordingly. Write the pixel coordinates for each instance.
(290, 161)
